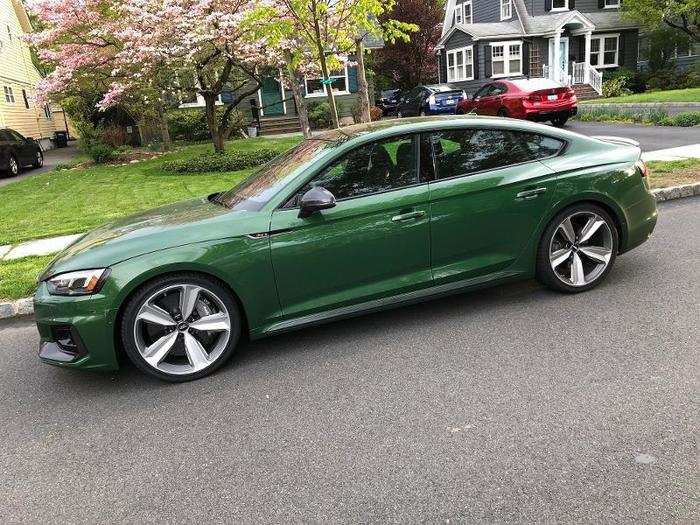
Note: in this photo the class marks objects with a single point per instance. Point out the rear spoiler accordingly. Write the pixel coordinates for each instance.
(618, 140)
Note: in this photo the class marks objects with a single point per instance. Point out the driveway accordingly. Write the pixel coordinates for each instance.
(651, 138)
(513, 404)
(51, 159)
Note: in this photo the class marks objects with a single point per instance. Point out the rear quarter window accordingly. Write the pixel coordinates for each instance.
(538, 146)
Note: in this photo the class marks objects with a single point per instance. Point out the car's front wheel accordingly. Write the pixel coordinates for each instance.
(38, 160)
(13, 166)
(578, 249)
(181, 327)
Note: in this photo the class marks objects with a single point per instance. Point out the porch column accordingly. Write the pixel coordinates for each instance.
(587, 55)
(556, 66)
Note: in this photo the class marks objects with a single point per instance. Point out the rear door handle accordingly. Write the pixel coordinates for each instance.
(530, 194)
(408, 216)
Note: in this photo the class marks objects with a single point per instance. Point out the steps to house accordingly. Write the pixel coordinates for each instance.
(279, 125)
(585, 92)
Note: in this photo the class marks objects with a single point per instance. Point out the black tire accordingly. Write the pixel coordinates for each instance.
(12, 166)
(134, 304)
(399, 113)
(422, 113)
(544, 271)
(38, 160)
(503, 112)
(559, 122)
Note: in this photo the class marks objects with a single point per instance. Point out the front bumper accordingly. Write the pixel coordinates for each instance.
(89, 323)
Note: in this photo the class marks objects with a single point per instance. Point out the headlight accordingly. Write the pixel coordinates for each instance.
(83, 282)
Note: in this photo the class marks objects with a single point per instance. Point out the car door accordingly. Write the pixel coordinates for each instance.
(407, 103)
(478, 97)
(490, 103)
(489, 195)
(374, 243)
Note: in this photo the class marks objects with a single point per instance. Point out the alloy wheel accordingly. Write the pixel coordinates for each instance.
(581, 248)
(14, 167)
(182, 329)
(39, 159)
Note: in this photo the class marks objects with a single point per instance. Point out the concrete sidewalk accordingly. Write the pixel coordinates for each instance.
(692, 151)
(671, 108)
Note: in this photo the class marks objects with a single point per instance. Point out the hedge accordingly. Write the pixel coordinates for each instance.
(222, 162)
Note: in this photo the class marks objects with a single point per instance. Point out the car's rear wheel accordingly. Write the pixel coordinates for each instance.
(559, 122)
(181, 327)
(577, 249)
(38, 160)
(503, 112)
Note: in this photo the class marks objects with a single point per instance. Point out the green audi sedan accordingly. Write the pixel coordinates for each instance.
(355, 220)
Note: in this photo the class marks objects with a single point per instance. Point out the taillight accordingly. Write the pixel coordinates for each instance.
(642, 168)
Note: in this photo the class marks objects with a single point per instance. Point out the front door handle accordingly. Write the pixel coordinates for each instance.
(530, 194)
(408, 216)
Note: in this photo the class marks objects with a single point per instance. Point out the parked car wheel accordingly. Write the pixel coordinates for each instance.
(503, 112)
(559, 122)
(399, 114)
(13, 166)
(181, 327)
(39, 160)
(578, 249)
(422, 113)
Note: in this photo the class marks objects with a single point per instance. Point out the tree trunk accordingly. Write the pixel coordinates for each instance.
(362, 86)
(300, 102)
(163, 125)
(212, 123)
(324, 69)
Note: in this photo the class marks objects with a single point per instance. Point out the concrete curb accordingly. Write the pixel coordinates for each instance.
(25, 306)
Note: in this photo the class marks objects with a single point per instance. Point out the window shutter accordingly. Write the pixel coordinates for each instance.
(572, 5)
(487, 60)
(547, 5)
(352, 79)
(525, 53)
(601, 4)
(621, 50)
(475, 58)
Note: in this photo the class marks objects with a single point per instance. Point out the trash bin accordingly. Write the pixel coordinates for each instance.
(60, 138)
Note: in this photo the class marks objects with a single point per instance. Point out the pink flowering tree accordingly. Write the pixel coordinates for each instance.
(132, 46)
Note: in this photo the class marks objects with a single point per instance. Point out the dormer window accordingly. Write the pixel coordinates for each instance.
(506, 9)
(560, 5)
(611, 4)
(459, 14)
(463, 13)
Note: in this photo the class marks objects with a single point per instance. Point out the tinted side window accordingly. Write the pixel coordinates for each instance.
(483, 91)
(538, 146)
(373, 168)
(465, 151)
(14, 136)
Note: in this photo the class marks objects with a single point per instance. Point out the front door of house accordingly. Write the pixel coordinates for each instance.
(271, 95)
(563, 56)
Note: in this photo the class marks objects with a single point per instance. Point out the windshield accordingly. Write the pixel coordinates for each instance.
(257, 190)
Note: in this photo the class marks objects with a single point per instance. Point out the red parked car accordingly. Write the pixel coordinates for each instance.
(537, 99)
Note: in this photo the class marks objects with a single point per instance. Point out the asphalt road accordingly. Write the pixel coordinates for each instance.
(513, 404)
(651, 138)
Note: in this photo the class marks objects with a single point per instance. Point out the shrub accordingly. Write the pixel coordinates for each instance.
(687, 119)
(190, 124)
(222, 162)
(615, 87)
(319, 115)
(100, 152)
(92, 142)
(375, 113)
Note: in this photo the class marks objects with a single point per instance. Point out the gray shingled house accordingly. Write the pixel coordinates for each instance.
(571, 41)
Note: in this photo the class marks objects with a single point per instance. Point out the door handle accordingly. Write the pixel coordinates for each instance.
(408, 216)
(530, 194)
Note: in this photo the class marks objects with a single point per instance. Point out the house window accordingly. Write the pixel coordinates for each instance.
(315, 88)
(467, 6)
(9, 32)
(459, 14)
(460, 64)
(605, 51)
(9, 95)
(26, 99)
(612, 4)
(47, 112)
(560, 5)
(506, 59)
(506, 9)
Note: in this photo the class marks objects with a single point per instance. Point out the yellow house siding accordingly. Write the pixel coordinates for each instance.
(18, 73)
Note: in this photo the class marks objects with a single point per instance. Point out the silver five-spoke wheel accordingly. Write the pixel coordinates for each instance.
(14, 166)
(581, 248)
(182, 329)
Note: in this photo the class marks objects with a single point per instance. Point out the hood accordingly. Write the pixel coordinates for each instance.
(177, 224)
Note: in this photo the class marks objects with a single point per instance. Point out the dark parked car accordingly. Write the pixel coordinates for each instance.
(536, 99)
(388, 101)
(17, 152)
(430, 100)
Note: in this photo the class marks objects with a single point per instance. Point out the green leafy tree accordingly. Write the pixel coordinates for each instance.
(683, 15)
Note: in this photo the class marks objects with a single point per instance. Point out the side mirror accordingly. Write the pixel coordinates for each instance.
(316, 199)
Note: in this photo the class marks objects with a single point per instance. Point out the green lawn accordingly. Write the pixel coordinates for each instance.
(18, 278)
(674, 172)
(73, 201)
(673, 95)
